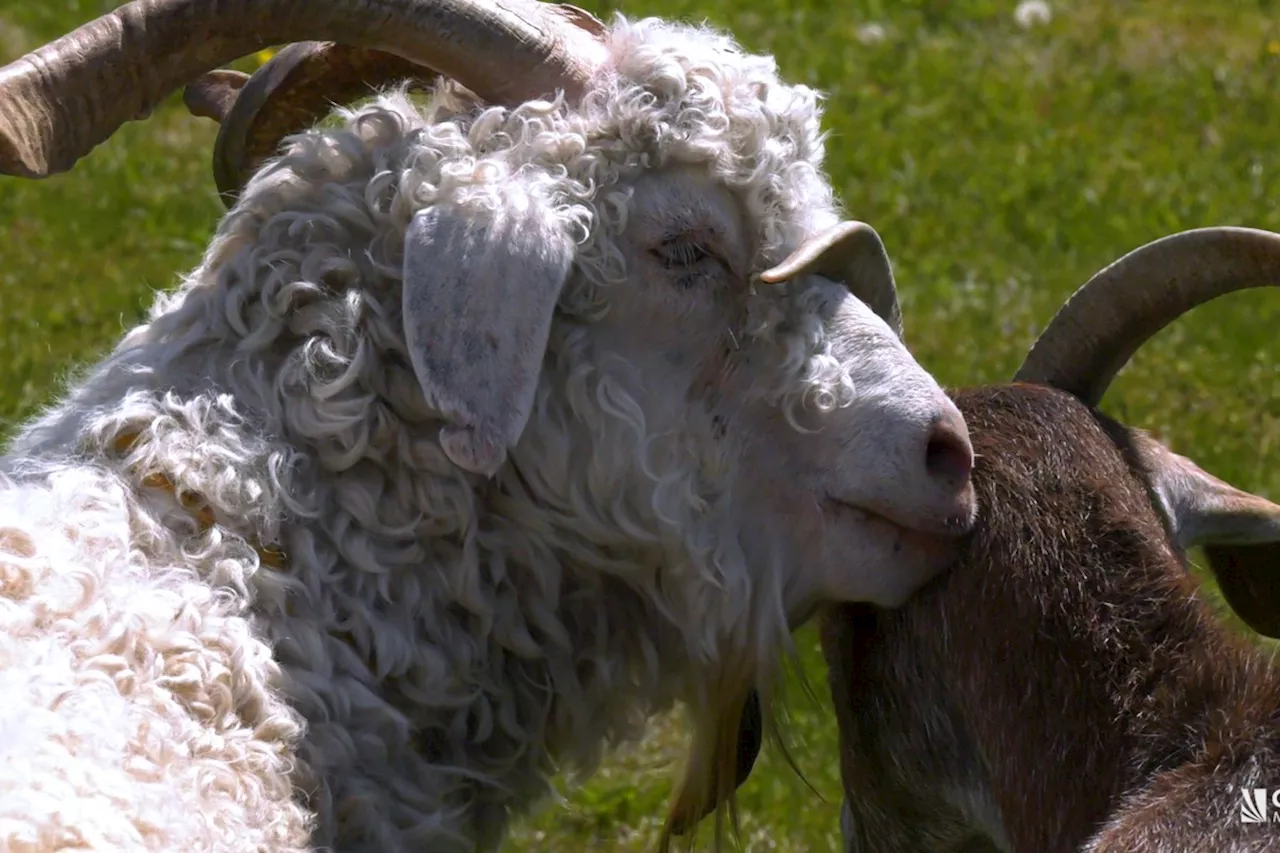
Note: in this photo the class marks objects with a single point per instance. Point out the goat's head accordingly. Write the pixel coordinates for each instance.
(621, 285)
(663, 220)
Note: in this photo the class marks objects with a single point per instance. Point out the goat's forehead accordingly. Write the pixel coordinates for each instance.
(1040, 422)
(685, 199)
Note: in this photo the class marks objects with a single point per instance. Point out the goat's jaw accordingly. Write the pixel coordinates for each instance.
(867, 551)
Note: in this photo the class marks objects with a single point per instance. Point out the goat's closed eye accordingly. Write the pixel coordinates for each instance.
(686, 258)
(677, 252)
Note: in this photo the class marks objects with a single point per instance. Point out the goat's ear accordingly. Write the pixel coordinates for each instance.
(1240, 532)
(481, 281)
(853, 254)
(750, 738)
(725, 746)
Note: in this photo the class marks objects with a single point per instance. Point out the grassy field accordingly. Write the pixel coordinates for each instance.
(1001, 165)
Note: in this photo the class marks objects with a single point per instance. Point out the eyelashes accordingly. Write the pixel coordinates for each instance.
(679, 252)
(687, 259)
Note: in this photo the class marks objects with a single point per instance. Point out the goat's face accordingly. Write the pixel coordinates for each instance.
(787, 416)
(761, 446)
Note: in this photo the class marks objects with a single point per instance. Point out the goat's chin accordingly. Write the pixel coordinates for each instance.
(874, 560)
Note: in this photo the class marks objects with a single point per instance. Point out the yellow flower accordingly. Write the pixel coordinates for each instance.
(1273, 47)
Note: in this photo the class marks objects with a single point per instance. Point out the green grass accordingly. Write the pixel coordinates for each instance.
(1001, 166)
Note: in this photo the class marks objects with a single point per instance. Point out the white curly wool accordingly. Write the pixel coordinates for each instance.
(137, 709)
(451, 641)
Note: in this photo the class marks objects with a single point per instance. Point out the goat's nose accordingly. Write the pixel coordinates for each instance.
(948, 456)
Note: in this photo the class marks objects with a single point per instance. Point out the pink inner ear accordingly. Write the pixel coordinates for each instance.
(851, 253)
(470, 449)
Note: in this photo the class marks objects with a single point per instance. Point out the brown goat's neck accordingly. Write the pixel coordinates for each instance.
(1115, 671)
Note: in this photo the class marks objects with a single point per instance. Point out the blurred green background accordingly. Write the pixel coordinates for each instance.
(1002, 161)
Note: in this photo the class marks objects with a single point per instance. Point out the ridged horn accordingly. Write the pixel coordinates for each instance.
(61, 100)
(1097, 331)
(292, 91)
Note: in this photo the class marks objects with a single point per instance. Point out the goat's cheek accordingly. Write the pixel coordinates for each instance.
(778, 513)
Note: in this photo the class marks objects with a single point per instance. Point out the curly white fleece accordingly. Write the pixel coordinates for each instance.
(138, 709)
(450, 643)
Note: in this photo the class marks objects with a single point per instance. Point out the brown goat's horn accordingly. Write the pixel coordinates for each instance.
(61, 100)
(1104, 323)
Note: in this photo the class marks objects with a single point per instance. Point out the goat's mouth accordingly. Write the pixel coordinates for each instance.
(943, 526)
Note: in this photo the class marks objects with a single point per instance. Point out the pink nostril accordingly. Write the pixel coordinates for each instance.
(948, 455)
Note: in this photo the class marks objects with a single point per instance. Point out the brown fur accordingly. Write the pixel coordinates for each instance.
(1065, 687)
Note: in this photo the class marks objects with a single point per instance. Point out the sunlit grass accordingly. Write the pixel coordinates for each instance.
(1002, 166)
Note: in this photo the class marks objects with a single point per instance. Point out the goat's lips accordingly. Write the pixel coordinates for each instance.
(943, 526)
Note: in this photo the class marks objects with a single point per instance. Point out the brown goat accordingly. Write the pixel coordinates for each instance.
(1065, 687)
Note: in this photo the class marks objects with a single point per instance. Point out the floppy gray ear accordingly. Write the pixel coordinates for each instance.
(481, 281)
(1240, 532)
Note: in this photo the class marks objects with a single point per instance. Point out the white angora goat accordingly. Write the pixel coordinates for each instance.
(483, 431)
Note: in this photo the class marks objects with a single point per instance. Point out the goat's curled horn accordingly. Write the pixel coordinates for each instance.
(292, 91)
(1107, 320)
(299, 86)
(61, 100)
